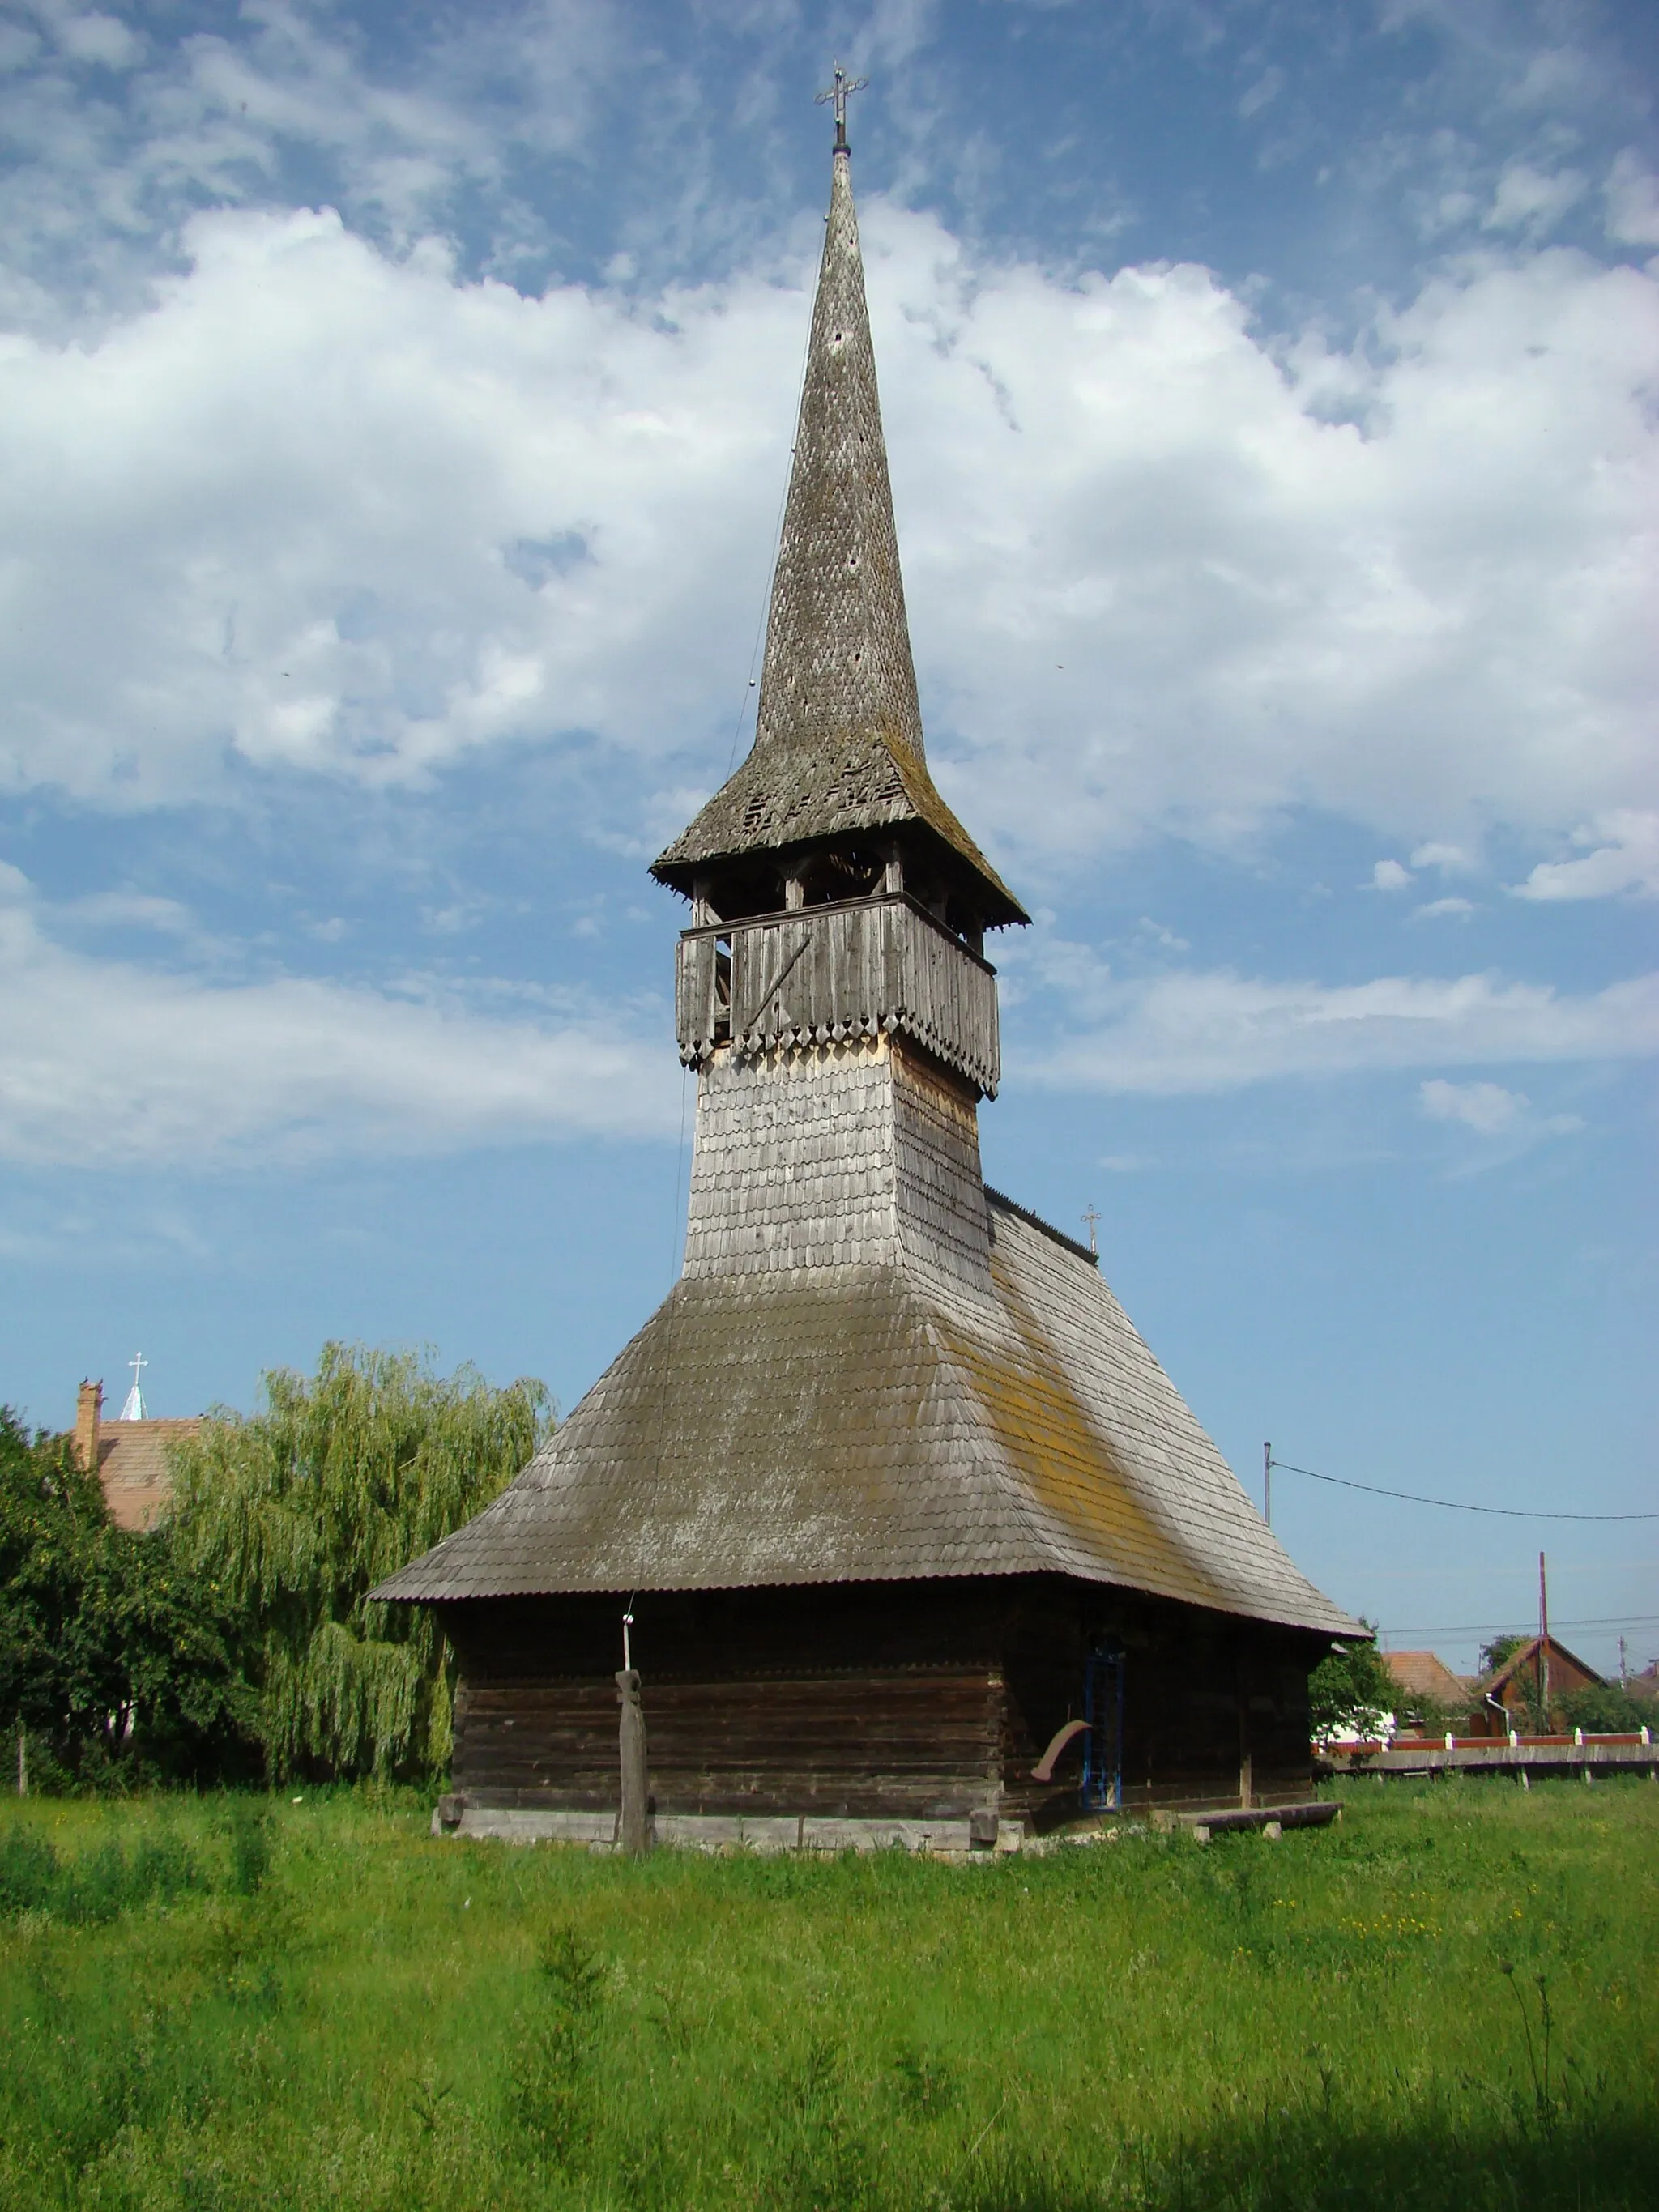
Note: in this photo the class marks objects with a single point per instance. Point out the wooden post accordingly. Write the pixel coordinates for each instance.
(1245, 1776)
(633, 1834)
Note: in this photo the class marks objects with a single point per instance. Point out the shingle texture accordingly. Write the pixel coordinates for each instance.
(838, 742)
(871, 1370)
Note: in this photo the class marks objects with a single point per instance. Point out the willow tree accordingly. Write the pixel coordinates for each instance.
(297, 1510)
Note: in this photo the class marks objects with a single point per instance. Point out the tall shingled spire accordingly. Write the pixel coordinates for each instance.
(838, 742)
(838, 664)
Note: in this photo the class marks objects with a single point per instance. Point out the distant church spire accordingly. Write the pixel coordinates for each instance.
(133, 1410)
(838, 745)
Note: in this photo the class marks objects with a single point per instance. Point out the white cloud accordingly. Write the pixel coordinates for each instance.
(1451, 860)
(1531, 200)
(1632, 196)
(1256, 606)
(95, 38)
(342, 514)
(304, 494)
(1389, 876)
(1624, 857)
(108, 173)
(1490, 1111)
(1486, 1108)
(1262, 94)
(1193, 1032)
(109, 1063)
(1442, 906)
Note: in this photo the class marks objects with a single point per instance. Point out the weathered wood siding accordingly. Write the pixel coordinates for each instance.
(1212, 1706)
(828, 973)
(828, 1700)
(922, 1742)
(902, 1700)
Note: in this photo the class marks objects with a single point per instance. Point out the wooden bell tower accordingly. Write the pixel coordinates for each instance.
(832, 990)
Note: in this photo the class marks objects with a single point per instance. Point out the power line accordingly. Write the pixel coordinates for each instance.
(1455, 1504)
(1480, 1628)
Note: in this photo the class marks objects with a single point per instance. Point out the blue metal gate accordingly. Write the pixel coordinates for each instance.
(1102, 1708)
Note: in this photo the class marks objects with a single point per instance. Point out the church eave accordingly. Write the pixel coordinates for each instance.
(777, 808)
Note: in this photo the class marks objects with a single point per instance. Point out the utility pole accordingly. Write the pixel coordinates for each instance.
(1267, 1483)
(1623, 1671)
(1544, 1641)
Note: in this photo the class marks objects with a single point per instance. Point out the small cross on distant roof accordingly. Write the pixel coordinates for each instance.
(838, 95)
(134, 1408)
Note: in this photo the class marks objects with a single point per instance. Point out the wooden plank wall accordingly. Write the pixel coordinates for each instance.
(822, 973)
(1212, 1707)
(924, 1699)
(922, 1743)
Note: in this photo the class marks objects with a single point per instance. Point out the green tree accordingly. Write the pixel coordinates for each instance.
(110, 1656)
(1350, 1691)
(297, 1512)
(1603, 1709)
(1499, 1652)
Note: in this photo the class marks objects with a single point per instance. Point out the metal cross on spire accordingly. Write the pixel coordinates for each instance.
(134, 1408)
(837, 97)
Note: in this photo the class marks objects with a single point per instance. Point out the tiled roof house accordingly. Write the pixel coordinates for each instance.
(1424, 1676)
(132, 1456)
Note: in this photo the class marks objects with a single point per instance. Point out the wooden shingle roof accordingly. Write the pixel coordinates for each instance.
(870, 1423)
(838, 742)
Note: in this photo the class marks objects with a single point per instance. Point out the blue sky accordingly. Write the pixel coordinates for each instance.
(395, 407)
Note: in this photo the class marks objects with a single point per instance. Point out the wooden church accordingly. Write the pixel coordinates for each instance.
(917, 1540)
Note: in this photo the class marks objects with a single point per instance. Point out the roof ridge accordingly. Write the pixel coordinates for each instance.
(1036, 1221)
(1526, 1650)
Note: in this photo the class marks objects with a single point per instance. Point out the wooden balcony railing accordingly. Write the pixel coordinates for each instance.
(824, 974)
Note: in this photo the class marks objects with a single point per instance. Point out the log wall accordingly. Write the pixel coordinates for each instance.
(919, 1743)
(914, 1700)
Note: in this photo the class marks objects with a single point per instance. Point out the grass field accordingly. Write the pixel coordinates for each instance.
(1451, 1999)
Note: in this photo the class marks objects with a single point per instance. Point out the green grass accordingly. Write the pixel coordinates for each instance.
(1452, 1999)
